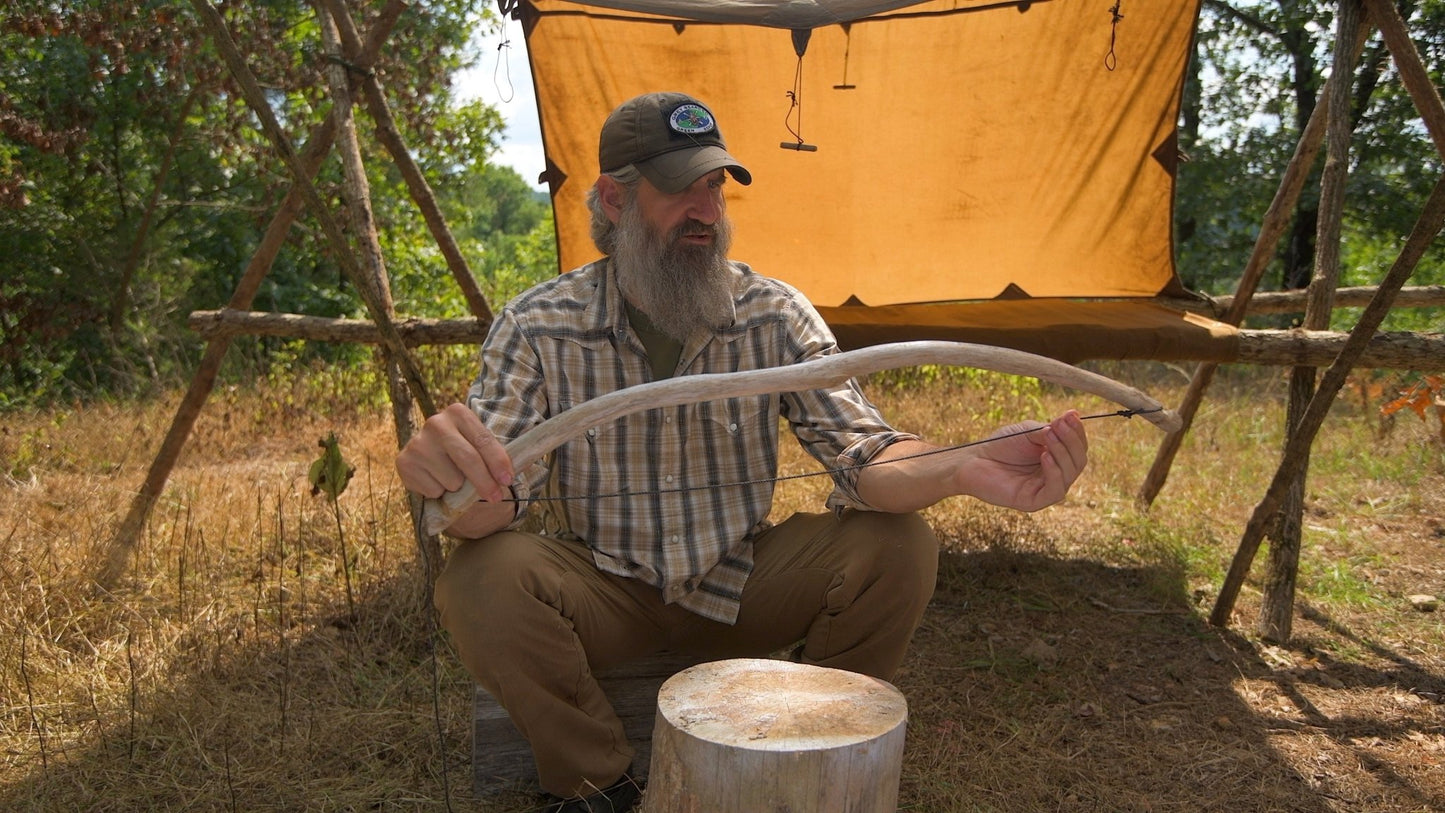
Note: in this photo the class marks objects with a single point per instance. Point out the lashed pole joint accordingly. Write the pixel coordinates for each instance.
(336, 237)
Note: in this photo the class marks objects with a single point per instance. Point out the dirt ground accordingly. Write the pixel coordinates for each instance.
(1064, 664)
(1041, 681)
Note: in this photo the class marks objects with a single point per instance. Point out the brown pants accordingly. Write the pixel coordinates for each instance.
(531, 616)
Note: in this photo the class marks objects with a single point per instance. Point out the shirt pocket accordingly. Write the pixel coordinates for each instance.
(604, 458)
(736, 438)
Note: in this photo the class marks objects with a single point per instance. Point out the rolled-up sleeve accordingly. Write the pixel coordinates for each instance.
(509, 396)
(838, 426)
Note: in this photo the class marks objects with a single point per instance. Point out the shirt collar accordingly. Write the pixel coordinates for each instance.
(608, 311)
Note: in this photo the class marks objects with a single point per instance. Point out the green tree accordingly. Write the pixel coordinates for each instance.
(134, 182)
(1257, 72)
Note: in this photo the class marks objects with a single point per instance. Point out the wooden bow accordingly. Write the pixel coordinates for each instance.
(817, 373)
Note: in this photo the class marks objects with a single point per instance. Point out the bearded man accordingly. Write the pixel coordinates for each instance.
(655, 531)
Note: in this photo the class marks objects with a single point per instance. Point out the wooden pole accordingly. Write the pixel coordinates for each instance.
(1413, 74)
(363, 227)
(335, 236)
(416, 183)
(1427, 101)
(1426, 228)
(752, 735)
(1357, 296)
(1276, 219)
(1421, 352)
(317, 145)
(1276, 617)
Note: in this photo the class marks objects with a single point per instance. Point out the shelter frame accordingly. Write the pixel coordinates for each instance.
(1223, 341)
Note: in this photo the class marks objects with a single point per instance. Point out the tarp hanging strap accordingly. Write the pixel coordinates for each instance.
(795, 96)
(1111, 60)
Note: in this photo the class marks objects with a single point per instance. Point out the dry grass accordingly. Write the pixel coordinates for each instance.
(1065, 663)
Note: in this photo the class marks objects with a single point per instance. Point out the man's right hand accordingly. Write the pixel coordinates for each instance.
(454, 447)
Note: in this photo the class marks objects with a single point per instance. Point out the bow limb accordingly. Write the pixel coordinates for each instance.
(814, 374)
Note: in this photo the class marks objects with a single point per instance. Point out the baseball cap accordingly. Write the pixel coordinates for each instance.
(672, 139)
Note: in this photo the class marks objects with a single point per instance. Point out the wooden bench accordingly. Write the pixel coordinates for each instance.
(502, 759)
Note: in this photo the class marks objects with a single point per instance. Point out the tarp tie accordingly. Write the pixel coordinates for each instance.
(795, 96)
(502, 70)
(1111, 60)
(847, 47)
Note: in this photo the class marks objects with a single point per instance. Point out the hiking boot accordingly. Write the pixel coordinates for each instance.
(618, 797)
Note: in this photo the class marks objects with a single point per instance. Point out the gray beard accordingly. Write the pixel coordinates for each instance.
(682, 289)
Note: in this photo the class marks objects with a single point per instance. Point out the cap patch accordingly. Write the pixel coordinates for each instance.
(691, 119)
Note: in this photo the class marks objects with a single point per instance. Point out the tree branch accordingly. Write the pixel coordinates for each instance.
(1249, 21)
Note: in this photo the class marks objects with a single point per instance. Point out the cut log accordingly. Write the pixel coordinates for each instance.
(764, 735)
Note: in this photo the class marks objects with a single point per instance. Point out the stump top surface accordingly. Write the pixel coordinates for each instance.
(778, 705)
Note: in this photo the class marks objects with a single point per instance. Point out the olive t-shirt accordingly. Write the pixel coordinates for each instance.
(662, 350)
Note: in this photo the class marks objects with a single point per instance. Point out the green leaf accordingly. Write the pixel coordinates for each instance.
(330, 472)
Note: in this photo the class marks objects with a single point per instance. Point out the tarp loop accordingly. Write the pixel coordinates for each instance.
(1111, 60)
(502, 70)
(800, 40)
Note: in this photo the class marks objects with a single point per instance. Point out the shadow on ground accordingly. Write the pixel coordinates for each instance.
(1038, 683)
(1034, 684)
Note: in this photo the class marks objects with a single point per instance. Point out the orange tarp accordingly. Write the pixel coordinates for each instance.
(962, 147)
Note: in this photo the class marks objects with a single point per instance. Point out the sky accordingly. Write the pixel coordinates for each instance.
(501, 79)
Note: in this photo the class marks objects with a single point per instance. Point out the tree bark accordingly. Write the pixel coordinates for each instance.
(121, 304)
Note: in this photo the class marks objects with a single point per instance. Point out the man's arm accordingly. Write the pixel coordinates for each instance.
(453, 447)
(1022, 471)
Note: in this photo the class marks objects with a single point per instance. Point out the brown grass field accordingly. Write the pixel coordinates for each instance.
(1066, 663)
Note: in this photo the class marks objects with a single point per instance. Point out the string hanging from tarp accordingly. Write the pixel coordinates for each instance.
(795, 96)
(847, 49)
(1111, 60)
(502, 70)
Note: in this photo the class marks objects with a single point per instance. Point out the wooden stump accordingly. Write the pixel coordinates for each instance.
(766, 735)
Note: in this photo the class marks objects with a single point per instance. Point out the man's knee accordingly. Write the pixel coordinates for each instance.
(487, 578)
(903, 546)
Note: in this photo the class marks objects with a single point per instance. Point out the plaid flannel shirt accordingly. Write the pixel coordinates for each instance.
(684, 527)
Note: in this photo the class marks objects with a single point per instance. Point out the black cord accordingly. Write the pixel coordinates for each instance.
(1121, 413)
